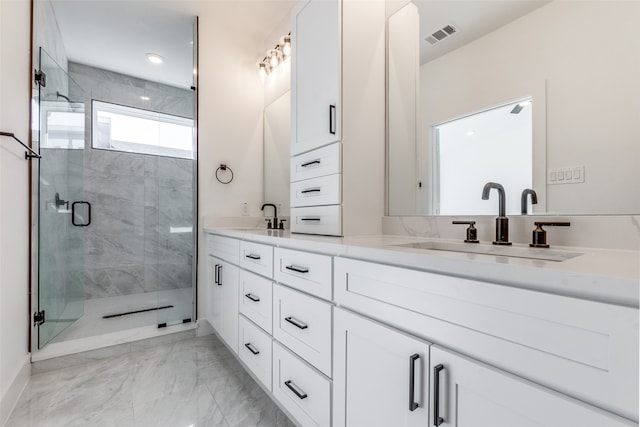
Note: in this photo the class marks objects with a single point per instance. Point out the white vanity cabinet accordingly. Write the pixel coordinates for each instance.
(467, 393)
(315, 74)
(222, 287)
(381, 375)
(586, 350)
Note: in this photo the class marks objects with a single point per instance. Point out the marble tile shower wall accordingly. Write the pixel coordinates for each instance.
(136, 199)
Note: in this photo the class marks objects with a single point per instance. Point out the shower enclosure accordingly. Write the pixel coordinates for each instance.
(114, 215)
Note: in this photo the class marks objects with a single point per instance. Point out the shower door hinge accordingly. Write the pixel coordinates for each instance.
(38, 318)
(41, 78)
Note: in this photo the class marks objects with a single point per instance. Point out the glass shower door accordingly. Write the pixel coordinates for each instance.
(62, 213)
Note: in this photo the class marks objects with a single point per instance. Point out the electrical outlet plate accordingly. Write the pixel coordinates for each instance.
(244, 209)
(566, 175)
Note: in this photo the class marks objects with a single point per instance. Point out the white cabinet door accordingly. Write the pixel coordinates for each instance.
(224, 316)
(315, 75)
(468, 393)
(381, 375)
(214, 294)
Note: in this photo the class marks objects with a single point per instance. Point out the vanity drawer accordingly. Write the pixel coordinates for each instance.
(303, 324)
(224, 248)
(325, 190)
(256, 300)
(320, 162)
(585, 349)
(303, 391)
(255, 350)
(311, 273)
(324, 220)
(257, 258)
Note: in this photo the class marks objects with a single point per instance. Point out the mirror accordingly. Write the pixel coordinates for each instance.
(575, 61)
(277, 131)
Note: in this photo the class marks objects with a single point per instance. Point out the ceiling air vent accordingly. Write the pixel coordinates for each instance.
(441, 34)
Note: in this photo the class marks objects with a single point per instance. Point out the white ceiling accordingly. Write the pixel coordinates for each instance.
(116, 35)
(472, 18)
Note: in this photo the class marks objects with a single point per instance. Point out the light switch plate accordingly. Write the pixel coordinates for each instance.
(566, 175)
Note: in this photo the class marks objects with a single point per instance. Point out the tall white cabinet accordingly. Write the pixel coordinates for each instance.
(337, 60)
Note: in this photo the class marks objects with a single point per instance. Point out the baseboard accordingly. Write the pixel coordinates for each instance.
(10, 398)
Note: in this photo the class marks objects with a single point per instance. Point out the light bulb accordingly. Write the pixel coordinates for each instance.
(286, 45)
(274, 59)
(262, 70)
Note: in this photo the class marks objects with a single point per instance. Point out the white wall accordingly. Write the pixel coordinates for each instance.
(591, 105)
(15, 90)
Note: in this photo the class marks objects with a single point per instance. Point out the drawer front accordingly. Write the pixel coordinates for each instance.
(255, 350)
(257, 258)
(320, 162)
(324, 220)
(311, 273)
(326, 190)
(256, 300)
(585, 349)
(224, 248)
(303, 324)
(303, 391)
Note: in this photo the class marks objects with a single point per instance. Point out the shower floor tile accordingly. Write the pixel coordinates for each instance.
(185, 383)
(91, 323)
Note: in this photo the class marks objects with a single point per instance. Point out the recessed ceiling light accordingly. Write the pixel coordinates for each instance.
(145, 98)
(155, 58)
(470, 133)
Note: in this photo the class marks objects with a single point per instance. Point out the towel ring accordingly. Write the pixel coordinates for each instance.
(224, 167)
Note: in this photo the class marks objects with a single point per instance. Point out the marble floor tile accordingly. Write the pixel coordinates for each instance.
(193, 382)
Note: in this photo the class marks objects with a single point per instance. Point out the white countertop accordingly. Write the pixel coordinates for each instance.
(611, 276)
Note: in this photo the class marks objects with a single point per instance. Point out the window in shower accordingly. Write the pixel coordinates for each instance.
(63, 125)
(133, 130)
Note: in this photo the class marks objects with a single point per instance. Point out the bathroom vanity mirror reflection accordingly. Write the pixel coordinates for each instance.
(277, 119)
(575, 63)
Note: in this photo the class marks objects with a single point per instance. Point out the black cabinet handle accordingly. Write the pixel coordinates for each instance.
(310, 190)
(252, 256)
(252, 297)
(313, 162)
(251, 349)
(310, 219)
(297, 269)
(413, 405)
(332, 113)
(73, 213)
(301, 394)
(219, 275)
(297, 323)
(215, 274)
(437, 419)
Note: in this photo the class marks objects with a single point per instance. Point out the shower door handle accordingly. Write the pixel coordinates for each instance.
(73, 214)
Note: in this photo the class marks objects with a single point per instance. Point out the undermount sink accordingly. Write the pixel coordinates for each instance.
(544, 254)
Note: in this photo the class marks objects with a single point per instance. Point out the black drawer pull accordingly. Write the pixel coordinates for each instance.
(310, 190)
(218, 276)
(313, 162)
(297, 269)
(252, 256)
(301, 394)
(310, 219)
(251, 349)
(297, 323)
(252, 297)
(437, 419)
(332, 113)
(413, 405)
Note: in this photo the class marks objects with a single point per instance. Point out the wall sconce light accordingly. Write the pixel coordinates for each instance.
(275, 56)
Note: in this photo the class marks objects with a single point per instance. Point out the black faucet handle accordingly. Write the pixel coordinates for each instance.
(281, 226)
(472, 232)
(539, 235)
(268, 223)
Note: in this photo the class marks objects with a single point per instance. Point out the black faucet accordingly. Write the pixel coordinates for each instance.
(502, 222)
(523, 200)
(275, 214)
